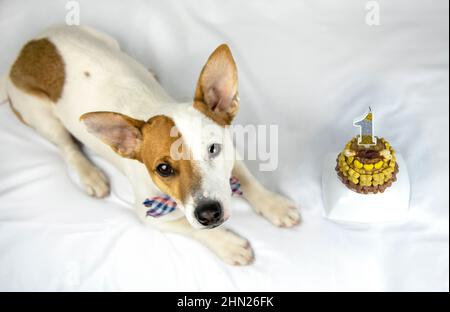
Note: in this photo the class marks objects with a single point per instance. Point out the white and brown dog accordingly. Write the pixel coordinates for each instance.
(76, 81)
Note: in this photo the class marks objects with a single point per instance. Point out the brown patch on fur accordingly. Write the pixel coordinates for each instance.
(87, 74)
(216, 93)
(16, 112)
(156, 150)
(39, 69)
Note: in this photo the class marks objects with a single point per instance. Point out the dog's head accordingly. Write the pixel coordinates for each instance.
(188, 151)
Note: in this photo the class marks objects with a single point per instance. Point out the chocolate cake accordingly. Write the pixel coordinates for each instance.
(367, 169)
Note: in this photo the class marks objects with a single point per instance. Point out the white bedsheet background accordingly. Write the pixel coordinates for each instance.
(310, 67)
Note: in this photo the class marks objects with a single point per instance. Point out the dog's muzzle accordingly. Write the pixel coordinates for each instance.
(162, 205)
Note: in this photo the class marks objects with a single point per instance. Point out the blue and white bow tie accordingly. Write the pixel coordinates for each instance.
(164, 204)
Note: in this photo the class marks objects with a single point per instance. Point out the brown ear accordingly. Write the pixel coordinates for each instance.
(121, 132)
(216, 95)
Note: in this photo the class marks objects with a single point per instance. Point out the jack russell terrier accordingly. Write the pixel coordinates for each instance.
(75, 81)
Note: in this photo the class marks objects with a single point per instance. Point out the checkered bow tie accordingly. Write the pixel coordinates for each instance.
(164, 204)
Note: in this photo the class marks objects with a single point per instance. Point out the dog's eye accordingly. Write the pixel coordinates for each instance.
(214, 150)
(164, 170)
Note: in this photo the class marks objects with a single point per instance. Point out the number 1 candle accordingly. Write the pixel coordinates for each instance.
(365, 125)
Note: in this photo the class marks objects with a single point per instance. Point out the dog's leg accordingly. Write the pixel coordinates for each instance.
(37, 112)
(227, 245)
(277, 209)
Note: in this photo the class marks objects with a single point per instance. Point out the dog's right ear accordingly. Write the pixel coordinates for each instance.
(122, 133)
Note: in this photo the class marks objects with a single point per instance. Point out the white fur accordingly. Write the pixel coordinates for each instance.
(117, 83)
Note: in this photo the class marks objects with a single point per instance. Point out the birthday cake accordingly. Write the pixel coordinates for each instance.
(367, 169)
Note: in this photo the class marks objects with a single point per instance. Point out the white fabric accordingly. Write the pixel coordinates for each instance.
(310, 67)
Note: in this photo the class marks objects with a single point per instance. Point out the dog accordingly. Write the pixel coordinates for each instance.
(75, 82)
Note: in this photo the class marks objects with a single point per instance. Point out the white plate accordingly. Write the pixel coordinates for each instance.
(343, 204)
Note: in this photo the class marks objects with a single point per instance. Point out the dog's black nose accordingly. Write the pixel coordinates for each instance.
(209, 213)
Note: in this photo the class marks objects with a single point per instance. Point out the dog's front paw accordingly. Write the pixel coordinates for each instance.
(230, 247)
(94, 182)
(279, 210)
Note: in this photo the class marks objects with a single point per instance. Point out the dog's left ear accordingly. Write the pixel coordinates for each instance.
(216, 95)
